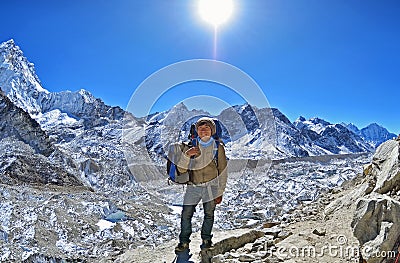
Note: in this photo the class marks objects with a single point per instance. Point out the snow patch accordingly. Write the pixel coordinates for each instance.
(104, 224)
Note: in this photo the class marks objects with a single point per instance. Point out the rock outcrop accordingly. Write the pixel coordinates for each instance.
(377, 226)
(16, 122)
(376, 222)
(228, 244)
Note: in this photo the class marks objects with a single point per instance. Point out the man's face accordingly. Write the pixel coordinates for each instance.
(204, 131)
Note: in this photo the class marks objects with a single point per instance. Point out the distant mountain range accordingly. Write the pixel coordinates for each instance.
(65, 116)
(281, 138)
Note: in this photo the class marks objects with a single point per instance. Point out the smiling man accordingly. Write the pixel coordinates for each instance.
(205, 160)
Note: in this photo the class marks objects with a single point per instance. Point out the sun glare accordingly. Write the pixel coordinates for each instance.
(215, 12)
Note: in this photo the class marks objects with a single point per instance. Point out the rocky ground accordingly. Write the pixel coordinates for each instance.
(310, 228)
(68, 222)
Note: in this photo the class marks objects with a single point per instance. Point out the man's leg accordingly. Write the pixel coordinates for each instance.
(186, 223)
(191, 199)
(209, 208)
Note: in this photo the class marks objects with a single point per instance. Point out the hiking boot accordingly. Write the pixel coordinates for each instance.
(181, 247)
(206, 244)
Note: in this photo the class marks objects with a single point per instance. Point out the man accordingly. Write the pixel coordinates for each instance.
(206, 163)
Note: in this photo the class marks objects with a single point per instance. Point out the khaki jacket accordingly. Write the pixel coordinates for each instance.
(203, 166)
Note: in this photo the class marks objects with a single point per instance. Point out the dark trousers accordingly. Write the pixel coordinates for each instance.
(195, 194)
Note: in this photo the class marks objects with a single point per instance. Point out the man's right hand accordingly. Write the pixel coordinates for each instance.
(192, 151)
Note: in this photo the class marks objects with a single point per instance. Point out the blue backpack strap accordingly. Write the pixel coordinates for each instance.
(172, 172)
(172, 167)
(217, 142)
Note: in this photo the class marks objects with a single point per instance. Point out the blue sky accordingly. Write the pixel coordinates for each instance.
(334, 59)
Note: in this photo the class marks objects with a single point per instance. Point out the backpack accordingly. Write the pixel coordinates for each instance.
(173, 174)
(175, 149)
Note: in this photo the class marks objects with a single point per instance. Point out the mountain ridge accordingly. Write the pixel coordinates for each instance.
(35, 99)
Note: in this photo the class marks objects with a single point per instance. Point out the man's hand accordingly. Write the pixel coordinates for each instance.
(218, 200)
(192, 151)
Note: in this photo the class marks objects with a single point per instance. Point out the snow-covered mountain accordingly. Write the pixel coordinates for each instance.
(351, 127)
(21, 84)
(263, 133)
(335, 138)
(70, 167)
(376, 134)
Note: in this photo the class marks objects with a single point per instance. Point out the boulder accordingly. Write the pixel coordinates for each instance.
(376, 225)
(386, 168)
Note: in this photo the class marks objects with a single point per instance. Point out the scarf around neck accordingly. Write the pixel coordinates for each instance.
(207, 143)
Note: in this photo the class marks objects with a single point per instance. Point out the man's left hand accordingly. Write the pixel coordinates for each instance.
(218, 200)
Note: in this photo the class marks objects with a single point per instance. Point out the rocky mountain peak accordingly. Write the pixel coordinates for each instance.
(22, 86)
(180, 107)
(18, 124)
(87, 96)
(317, 120)
(18, 78)
(376, 134)
(315, 124)
(300, 119)
(12, 58)
(351, 127)
(280, 116)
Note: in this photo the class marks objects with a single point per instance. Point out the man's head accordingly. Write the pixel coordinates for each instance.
(204, 123)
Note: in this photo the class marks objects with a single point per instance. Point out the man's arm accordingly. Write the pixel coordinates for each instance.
(183, 157)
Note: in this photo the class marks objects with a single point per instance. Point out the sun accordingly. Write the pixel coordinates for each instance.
(215, 12)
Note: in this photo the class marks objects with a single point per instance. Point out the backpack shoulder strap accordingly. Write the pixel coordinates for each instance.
(216, 146)
(186, 143)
